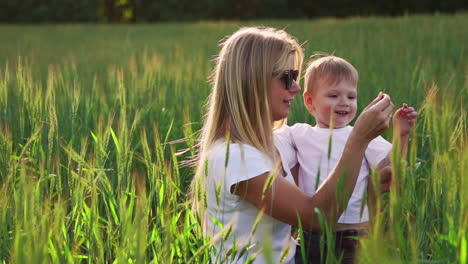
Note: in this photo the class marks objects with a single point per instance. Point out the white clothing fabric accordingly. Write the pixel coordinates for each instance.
(229, 164)
(284, 144)
(318, 153)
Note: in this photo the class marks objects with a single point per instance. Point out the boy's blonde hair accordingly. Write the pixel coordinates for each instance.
(238, 107)
(328, 70)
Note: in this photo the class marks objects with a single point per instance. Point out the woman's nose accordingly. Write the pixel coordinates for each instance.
(295, 88)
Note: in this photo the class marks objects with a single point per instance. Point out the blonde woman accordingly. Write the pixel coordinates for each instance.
(243, 189)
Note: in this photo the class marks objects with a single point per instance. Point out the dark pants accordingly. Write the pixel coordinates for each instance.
(344, 247)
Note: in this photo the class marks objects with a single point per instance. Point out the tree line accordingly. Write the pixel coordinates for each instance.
(141, 11)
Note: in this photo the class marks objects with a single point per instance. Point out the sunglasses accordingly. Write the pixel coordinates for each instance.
(288, 76)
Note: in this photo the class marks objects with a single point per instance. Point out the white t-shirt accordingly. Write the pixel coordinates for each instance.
(318, 155)
(284, 145)
(227, 167)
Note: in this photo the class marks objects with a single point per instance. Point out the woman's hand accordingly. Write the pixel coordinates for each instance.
(374, 120)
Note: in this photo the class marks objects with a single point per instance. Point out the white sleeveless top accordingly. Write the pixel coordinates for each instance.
(270, 239)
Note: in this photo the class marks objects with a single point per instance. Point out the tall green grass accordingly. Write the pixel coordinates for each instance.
(88, 172)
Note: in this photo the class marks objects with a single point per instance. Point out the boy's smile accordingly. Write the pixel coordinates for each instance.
(333, 104)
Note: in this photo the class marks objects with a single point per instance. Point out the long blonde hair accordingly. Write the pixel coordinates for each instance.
(238, 106)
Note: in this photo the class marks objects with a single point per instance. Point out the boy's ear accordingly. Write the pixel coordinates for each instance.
(308, 101)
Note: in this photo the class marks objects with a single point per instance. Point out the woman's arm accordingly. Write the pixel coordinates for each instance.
(285, 201)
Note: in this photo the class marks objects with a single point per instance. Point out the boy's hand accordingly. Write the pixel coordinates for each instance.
(404, 119)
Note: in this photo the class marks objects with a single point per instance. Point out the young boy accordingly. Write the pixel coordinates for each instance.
(330, 95)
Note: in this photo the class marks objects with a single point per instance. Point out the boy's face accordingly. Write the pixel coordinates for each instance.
(337, 102)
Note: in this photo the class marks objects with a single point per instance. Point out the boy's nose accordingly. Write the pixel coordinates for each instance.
(343, 102)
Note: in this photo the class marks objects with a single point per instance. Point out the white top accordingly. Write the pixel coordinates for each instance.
(318, 153)
(226, 167)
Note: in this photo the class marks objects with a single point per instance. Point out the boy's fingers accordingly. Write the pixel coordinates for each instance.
(399, 111)
(411, 115)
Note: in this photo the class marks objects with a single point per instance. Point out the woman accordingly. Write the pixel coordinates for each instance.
(245, 195)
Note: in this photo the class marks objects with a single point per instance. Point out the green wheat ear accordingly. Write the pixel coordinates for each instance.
(301, 239)
(268, 183)
(317, 180)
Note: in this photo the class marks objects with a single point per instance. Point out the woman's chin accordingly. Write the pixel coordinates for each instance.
(280, 116)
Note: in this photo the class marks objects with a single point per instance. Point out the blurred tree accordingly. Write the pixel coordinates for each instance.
(27, 11)
(131, 11)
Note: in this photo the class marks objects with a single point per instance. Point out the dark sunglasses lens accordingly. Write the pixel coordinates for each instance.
(295, 74)
(288, 77)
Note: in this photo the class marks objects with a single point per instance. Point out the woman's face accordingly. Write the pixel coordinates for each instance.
(281, 98)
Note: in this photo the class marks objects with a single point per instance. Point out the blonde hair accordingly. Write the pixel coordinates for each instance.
(238, 107)
(328, 70)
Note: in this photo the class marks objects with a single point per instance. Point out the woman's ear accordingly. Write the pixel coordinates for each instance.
(308, 101)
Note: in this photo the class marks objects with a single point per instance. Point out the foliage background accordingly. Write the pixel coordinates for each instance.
(130, 11)
(90, 172)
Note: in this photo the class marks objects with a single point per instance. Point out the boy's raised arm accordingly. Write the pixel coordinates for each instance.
(404, 120)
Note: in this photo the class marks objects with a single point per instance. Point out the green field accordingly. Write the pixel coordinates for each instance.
(90, 172)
